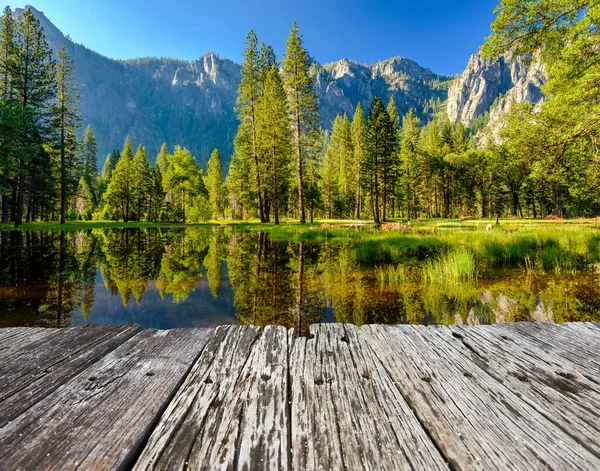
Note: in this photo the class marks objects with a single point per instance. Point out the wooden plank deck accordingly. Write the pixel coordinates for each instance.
(508, 396)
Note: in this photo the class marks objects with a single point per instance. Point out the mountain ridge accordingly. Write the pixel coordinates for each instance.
(192, 103)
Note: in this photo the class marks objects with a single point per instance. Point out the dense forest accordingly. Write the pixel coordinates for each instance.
(541, 161)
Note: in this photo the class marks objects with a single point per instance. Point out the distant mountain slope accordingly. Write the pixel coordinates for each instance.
(192, 103)
(487, 86)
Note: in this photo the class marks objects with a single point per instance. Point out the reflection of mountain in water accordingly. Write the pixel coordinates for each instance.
(166, 278)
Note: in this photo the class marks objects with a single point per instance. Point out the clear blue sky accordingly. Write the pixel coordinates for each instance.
(439, 34)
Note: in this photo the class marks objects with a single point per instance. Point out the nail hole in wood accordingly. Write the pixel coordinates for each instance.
(150, 373)
(366, 375)
(319, 381)
(345, 339)
(505, 337)
(310, 336)
(427, 379)
(523, 379)
(467, 374)
(92, 378)
(208, 381)
(265, 377)
(456, 335)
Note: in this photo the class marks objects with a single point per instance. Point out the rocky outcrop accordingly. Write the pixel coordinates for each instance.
(490, 86)
(341, 85)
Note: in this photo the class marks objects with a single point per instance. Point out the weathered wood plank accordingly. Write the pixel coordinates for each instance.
(564, 342)
(476, 421)
(346, 411)
(586, 327)
(15, 338)
(34, 372)
(205, 411)
(100, 419)
(552, 386)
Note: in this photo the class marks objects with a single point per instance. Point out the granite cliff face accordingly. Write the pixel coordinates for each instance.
(487, 86)
(341, 85)
(157, 100)
(192, 103)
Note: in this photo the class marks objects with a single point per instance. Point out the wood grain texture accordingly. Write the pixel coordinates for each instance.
(551, 385)
(477, 421)
(100, 419)
(578, 347)
(15, 338)
(35, 371)
(200, 427)
(346, 411)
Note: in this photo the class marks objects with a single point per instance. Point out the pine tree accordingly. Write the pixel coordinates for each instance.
(157, 195)
(359, 145)
(66, 119)
(409, 155)
(214, 183)
(248, 94)
(391, 173)
(33, 85)
(460, 138)
(141, 185)
(303, 105)
(380, 147)
(266, 61)
(90, 162)
(10, 114)
(162, 159)
(239, 186)
(183, 181)
(330, 169)
(274, 135)
(8, 52)
(118, 195)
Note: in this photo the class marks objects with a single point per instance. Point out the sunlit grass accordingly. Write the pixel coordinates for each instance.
(454, 267)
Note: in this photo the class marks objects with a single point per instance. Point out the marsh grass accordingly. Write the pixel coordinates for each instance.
(457, 266)
(391, 274)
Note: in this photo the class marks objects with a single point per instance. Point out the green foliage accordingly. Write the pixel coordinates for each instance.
(304, 108)
(215, 185)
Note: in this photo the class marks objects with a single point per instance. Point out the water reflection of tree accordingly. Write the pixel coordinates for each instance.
(181, 263)
(44, 276)
(38, 279)
(213, 262)
(130, 259)
(262, 286)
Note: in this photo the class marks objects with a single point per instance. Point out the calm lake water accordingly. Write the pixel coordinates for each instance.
(199, 277)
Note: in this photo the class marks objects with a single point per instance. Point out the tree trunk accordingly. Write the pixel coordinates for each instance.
(275, 191)
(63, 179)
(300, 164)
(5, 209)
(515, 205)
(20, 194)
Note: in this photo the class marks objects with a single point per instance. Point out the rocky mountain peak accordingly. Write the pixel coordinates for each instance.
(485, 81)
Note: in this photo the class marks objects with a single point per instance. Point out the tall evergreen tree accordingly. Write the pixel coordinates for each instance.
(274, 131)
(303, 105)
(381, 143)
(409, 160)
(8, 52)
(66, 119)
(390, 176)
(33, 85)
(359, 147)
(214, 183)
(162, 159)
(118, 196)
(141, 185)
(248, 94)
